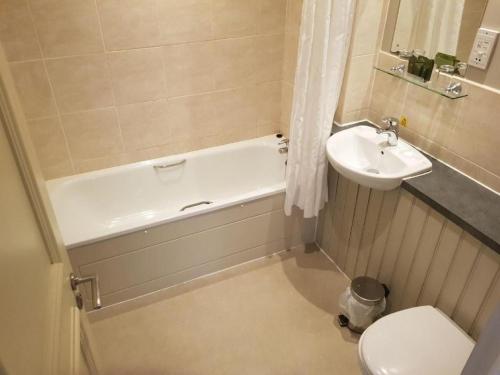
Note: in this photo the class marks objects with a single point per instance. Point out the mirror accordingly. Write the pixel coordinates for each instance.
(449, 27)
(433, 26)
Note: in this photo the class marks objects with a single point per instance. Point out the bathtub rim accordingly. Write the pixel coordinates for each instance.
(55, 185)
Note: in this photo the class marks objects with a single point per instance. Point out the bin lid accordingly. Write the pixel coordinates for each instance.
(367, 290)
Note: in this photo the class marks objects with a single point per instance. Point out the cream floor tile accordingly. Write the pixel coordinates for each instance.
(272, 316)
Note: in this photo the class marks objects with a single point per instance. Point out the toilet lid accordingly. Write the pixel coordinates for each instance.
(416, 341)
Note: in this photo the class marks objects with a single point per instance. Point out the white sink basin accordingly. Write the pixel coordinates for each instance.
(365, 157)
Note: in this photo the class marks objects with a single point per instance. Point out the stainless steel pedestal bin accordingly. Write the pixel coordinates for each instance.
(362, 303)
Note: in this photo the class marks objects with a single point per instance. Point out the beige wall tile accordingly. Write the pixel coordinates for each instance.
(268, 57)
(237, 108)
(17, 32)
(92, 134)
(291, 45)
(184, 21)
(268, 128)
(144, 125)
(268, 96)
(477, 143)
(444, 121)
(235, 18)
(420, 106)
(234, 62)
(33, 89)
(346, 117)
(129, 23)
(50, 146)
(271, 17)
(67, 27)
(192, 117)
(189, 68)
(388, 95)
(286, 107)
(293, 16)
(87, 165)
(157, 51)
(81, 83)
(229, 136)
(137, 75)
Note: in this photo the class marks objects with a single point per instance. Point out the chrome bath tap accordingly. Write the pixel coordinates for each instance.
(284, 149)
(392, 130)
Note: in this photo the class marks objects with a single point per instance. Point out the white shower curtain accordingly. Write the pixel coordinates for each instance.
(325, 33)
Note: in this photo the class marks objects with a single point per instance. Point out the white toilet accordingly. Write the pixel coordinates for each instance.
(417, 341)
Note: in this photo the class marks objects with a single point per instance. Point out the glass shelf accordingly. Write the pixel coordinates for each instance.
(429, 85)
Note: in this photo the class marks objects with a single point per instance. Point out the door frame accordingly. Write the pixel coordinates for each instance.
(13, 120)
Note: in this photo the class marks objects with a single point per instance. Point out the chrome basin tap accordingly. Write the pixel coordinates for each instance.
(392, 130)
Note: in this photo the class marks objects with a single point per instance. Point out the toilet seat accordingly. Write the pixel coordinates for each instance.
(416, 341)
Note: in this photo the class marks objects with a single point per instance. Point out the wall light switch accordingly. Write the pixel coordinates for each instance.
(483, 48)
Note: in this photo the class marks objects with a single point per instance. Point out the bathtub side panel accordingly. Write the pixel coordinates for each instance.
(209, 243)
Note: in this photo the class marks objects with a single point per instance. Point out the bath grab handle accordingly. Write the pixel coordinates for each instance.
(195, 204)
(94, 286)
(163, 166)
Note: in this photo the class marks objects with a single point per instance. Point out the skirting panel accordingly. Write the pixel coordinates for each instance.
(145, 261)
(424, 258)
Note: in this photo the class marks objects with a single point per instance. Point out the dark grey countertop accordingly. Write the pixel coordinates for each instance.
(467, 203)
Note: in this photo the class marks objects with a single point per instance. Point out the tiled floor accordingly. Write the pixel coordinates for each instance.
(271, 316)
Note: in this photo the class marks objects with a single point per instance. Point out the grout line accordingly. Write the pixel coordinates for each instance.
(487, 296)
(372, 241)
(113, 51)
(361, 233)
(403, 237)
(349, 238)
(111, 81)
(218, 91)
(468, 280)
(51, 86)
(389, 230)
(414, 255)
(430, 267)
(450, 266)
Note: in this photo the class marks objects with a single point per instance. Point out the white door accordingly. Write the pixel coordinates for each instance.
(39, 320)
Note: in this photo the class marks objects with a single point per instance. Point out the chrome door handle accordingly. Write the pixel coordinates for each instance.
(94, 285)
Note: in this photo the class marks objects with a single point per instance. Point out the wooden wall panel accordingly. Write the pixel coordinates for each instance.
(369, 229)
(424, 258)
(387, 211)
(357, 229)
(487, 307)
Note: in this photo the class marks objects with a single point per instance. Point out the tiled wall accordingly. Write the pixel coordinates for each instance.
(423, 257)
(107, 82)
(292, 28)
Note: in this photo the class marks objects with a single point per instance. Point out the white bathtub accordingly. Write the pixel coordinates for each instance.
(133, 227)
(110, 202)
